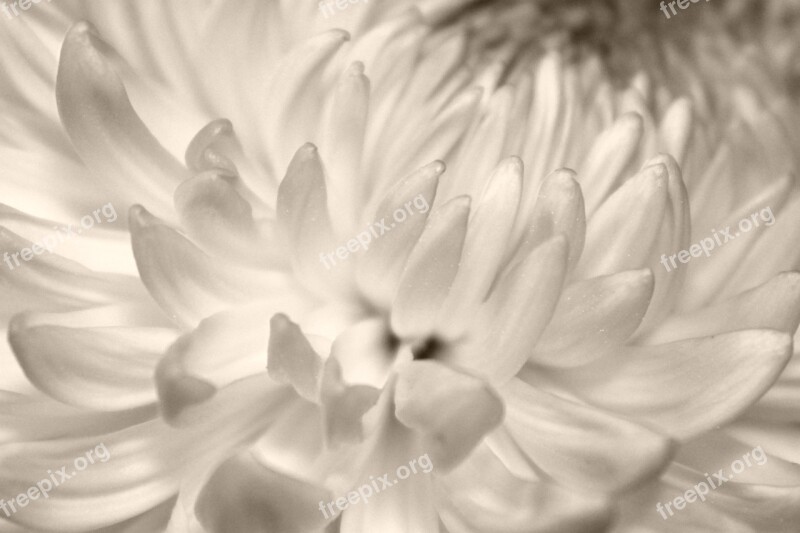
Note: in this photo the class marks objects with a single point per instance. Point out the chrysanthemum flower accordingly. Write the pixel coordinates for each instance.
(265, 334)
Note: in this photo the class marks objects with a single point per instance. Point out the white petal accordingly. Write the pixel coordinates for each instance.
(579, 445)
(382, 264)
(622, 233)
(610, 157)
(722, 375)
(485, 245)
(29, 417)
(50, 282)
(343, 144)
(121, 151)
(187, 283)
(292, 97)
(452, 409)
(593, 317)
(558, 210)
(106, 369)
(430, 270)
(515, 314)
(292, 360)
(343, 406)
(502, 503)
(774, 305)
(245, 496)
(219, 219)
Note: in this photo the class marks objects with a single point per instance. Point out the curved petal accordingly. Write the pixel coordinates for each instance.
(50, 282)
(106, 369)
(343, 144)
(224, 347)
(722, 375)
(774, 305)
(624, 230)
(121, 151)
(292, 96)
(292, 360)
(430, 270)
(558, 210)
(517, 311)
(245, 496)
(27, 418)
(381, 266)
(452, 409)
(501, 503)
(187, 284)
(406, 505)
(579, 445)
(220, 220)
(485, 245)
(610, 157)
(593, 317)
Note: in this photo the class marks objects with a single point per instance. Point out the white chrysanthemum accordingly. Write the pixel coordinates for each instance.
(517, 326)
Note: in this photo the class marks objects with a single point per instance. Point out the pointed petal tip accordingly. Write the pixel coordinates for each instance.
(279, 322)
(563, 178)
(356, 69)
(139, 217)
(308, 149)
(81, 30)
(512, 165)
(437, 167)
(459, 202)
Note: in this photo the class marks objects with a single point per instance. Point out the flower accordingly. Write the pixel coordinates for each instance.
(519, 329)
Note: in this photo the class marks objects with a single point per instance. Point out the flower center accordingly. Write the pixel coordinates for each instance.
(427, 348)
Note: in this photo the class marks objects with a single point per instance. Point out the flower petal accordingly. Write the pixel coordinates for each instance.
(381, 266)
(502, 503)
(774, 305)
(184, 281)
(304, 221)
(558, 210)
(593, 317)
(292, 96)
(343, 144)
(485, 244)
(452, 409)
(409, 506)
(50, 282)
(106, 369)
(27, 418)
(652, 383)
(121, 151)
(292, 360)
(514, 316)
(430, 270)
(582, 446)
(622, 233)
(245, 496)
(343, 406)
(611, 155)
(219, 219)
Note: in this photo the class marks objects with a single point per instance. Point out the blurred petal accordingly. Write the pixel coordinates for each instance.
(452, 409)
